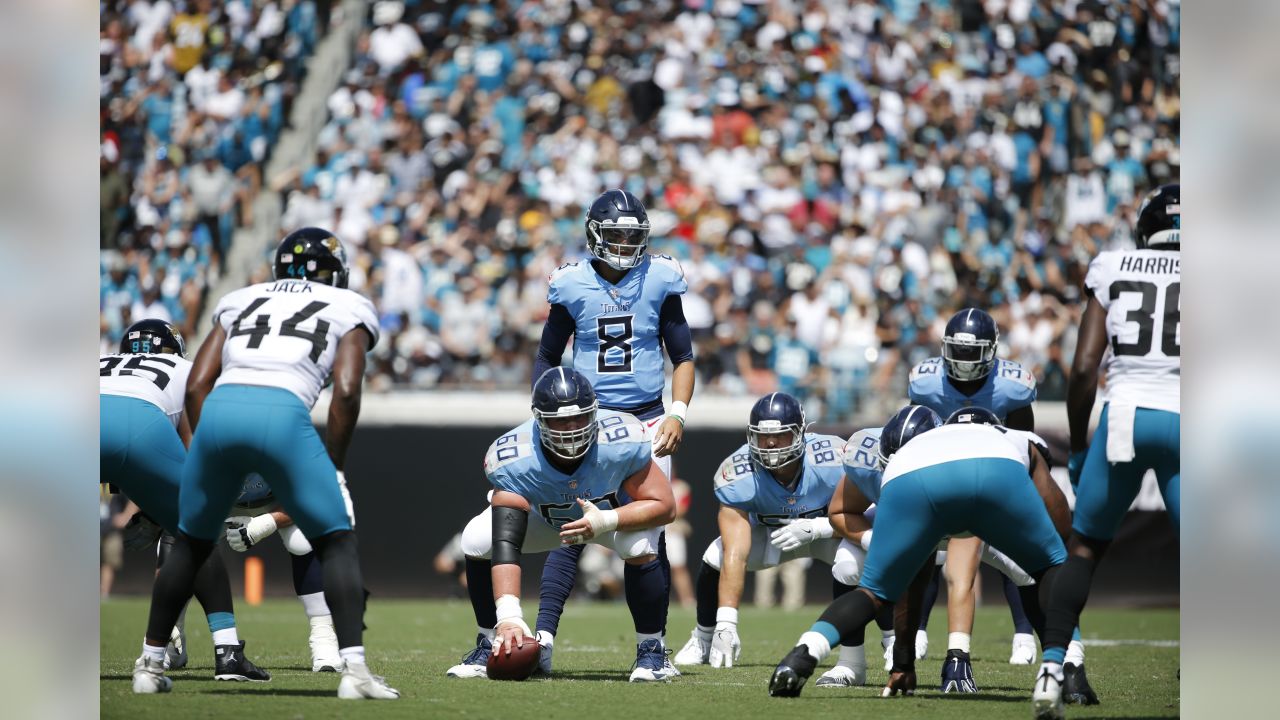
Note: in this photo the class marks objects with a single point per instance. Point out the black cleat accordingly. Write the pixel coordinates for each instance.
(957, 673)
(792, 672)
(1075, 686)
(231, 664)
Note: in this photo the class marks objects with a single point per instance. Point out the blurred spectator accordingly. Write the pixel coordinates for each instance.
(114, 513)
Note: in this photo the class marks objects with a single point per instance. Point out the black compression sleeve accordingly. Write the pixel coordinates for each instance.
(509, 526)
(555, 335)
(674, 330)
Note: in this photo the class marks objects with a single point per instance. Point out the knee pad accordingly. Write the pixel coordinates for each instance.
(714, 555)
(846, 571)
(633, 544)
(294, 541)
(477, 537)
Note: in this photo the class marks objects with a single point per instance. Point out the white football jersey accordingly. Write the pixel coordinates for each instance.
(285, 334)
(158, 378)
(1141, 291)
(960, 442)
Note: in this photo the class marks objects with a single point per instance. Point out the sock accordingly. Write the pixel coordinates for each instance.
(887, 638)
(958, 641)
(930, 597)
(1075, 649)
(704, 632)
(480, 589)
(853, 656)
(645, 589)
(488, 632)
(817, 642)
(708, 594)
(343, 585)
(153, 653)
(222, 626)
(313, 604)
(665, 564)
(226, 636)
(641, 637)
(1068, 594)
(1021, 623)
(1053, 656)
(173, 586)
(559, 573)
(308, 576)
(353, 654)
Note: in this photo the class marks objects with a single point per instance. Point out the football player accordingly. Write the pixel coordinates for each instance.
(584, 475)
(1133, 310)
(249, 397)
(143, 444)
(940, 480)
(968, 374)
(773, 494)
(622, 308)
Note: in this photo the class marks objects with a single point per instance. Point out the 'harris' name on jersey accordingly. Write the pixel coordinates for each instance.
(1164, 265)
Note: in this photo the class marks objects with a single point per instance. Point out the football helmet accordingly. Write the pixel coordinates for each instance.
(313, 254)
(969, 345)
(153, 336)
(907, 423)
(254, 493)
(973, 416)
(618, 229)
(1159, 224)
(564, 407)
(773, 414)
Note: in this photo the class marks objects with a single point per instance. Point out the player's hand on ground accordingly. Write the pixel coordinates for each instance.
(667, 441)
(901, 682)
(141, 532)
(593, 522)
(725, 645)
(244, 532)
(794, 535)
(511, 634)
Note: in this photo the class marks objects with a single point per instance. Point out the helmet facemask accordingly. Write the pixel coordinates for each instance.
(780, 455)
(619, 244)
(574, 433)
(967, 357)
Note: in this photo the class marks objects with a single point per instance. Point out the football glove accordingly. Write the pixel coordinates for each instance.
(725, 645)
(245, 532)
(799, 533)
(141, 532)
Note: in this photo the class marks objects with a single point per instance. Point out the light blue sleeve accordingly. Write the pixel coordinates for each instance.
(925, 382)
(735, 483)
(672, 274)
(1016, 385)
(560, 286)
(860, 462)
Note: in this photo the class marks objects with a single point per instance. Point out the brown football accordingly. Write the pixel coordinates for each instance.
(518, 664)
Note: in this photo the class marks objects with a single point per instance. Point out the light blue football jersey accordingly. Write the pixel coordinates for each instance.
(616, 343)
(747, 485)
(1007, 387)
(516, 462)
(861, 464)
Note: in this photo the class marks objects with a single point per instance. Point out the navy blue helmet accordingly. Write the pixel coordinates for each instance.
(907, 423)
(254, 493)
(153, 336)
(973, 416)
(618, 229)
(1160, 219)
(772, 415)
(564, 406)
(313, 254)
(969, 345)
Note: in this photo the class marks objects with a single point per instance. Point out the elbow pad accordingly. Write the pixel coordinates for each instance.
(509, 526)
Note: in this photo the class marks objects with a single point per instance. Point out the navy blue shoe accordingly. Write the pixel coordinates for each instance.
(957, 673)
(651, 663)
(476, 663)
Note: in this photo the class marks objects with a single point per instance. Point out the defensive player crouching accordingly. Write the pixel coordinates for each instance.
(773, 494)
(590, 477)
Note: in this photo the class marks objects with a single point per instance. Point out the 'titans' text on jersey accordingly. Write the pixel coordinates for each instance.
(1008, 387)
(616, 340)
(516, 463)
(267, 345)
(1141, 290)
(746, 485)
(158, 378)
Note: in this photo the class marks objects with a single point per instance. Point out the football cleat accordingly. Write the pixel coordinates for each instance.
(148, 677)
(1046, 698)
(790, 675)
(1023, 651)
(231, 664)
(922, 644)
(476, 662)
(887, 644)
(359, 684)
(651, 663)
(695, 652)
(546, 643)
(324, 645)
(1075, 686)
(957, 673)
(175, 653)
(842, 676)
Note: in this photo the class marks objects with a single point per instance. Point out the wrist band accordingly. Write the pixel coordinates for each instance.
(679, 410)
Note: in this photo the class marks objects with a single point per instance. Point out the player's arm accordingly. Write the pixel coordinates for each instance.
(204, 373)
(1054, 501)
(846, 513)
(1023, 418)
(348, 383)
(1091, 343)
(510, 523)
(555, 335)
(184, 431)
(735, 536)
(652, 505)
(674, 330)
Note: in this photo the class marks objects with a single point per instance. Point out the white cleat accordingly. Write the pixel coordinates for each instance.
(695, 652)
(843, 676)
(175, 653)
(476, 662)
(922, 644)
(887, 644)
(360, 684)
(1046, 698)
(324, 646)
(148, 677)
(1023, 651)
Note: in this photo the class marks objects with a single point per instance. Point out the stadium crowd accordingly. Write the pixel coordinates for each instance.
(836, 178)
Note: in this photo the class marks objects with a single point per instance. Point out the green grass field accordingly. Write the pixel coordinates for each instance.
(412, 643)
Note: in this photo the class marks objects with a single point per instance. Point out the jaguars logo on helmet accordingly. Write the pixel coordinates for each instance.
(153, 336)
(618, 229)
(312, 254)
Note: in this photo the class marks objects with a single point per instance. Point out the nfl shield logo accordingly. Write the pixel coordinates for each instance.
(791, 500)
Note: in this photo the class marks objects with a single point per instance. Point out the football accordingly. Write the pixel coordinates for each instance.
(518, 664)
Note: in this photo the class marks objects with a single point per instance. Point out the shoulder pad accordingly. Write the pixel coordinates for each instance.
(734, 468)
(507, 449)
(823, 450)
(1013, 373)
(927, 369)
(620, 428)
(669, 262)
(563, 271)
(861, 451)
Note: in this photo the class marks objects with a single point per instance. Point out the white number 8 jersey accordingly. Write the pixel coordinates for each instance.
(1141, 290)
(285, 334)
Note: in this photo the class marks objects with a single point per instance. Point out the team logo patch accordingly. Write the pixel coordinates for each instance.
(791, 500)
(573, 484)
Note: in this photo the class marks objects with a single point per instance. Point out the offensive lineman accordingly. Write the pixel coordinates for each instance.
(622, 308)
(586, 476)
(249, 396)
(1133, 310)
(773, 494)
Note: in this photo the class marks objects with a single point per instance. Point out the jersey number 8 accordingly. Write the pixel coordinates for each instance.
(614, 333)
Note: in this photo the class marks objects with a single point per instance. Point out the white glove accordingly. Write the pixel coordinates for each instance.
(141, 532)
(799, 533)
(725, 644)
(244, 532)
(593, 523)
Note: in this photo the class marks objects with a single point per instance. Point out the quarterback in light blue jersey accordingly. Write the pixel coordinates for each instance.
(773, 494)
(571, 475)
